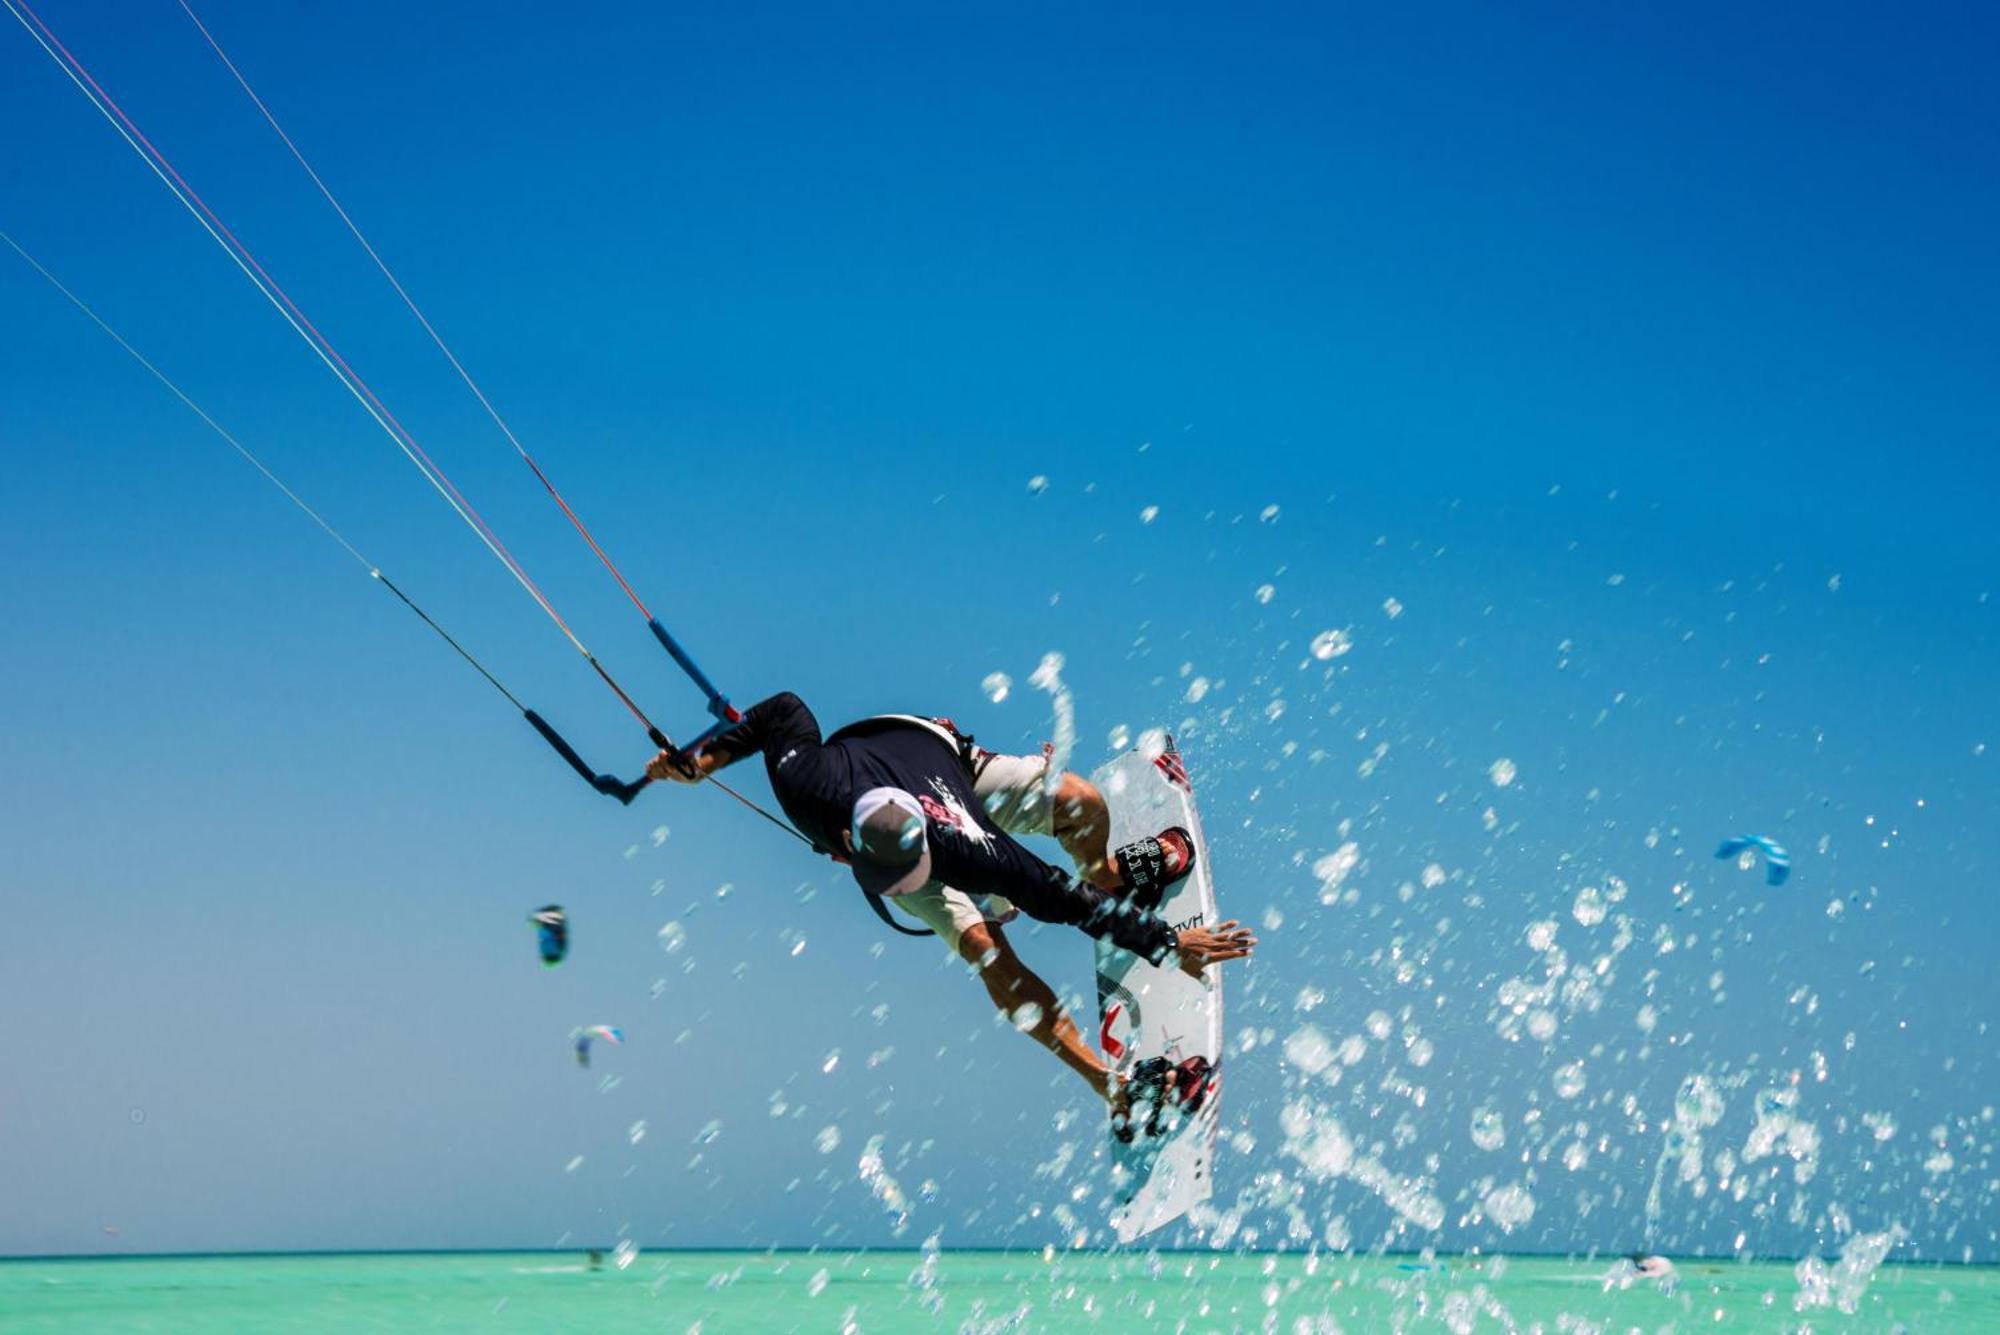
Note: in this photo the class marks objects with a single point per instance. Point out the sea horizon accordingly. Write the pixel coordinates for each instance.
(1916, 1262)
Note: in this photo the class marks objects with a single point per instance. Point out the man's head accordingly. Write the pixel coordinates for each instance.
(891, 854)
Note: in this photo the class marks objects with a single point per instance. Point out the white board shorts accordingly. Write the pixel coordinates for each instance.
(1014, 791)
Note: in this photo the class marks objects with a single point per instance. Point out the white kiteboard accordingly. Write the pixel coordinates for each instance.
(1146, 1014)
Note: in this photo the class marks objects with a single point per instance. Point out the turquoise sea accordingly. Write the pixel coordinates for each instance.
(966, 1291)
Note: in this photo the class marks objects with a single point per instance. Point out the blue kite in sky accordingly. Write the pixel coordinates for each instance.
(1777, 861)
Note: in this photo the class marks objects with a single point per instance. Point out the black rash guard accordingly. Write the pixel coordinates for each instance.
(817, 781)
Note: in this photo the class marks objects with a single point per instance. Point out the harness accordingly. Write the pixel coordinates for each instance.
(969, 755)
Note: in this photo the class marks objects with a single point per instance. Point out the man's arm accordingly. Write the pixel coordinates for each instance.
(769, 726)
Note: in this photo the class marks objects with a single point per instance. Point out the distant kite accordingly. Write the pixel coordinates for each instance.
(551, 933)
(1777, 862)
(585, 1037)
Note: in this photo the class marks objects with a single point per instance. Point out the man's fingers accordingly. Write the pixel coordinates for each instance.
(674, 767)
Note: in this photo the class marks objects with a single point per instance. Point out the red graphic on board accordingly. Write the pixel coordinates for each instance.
(1112, 1047)
(1170, 765)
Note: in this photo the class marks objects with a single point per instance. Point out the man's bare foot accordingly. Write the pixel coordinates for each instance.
(1119, 1102)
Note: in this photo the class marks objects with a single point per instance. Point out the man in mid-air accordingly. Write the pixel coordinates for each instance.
(926, 820)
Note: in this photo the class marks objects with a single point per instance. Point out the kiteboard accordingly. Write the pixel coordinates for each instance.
(1153, 1019)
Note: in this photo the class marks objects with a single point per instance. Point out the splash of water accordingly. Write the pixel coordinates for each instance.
(1841, 1284)
(1048, 677)
(885, 1189)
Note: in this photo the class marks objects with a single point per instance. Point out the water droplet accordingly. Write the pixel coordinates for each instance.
(672, 937)
(1335, 868)
(1266, 592)
(1392, 608)
(1269, 514)
(637, 1131)
(1149, 514)
(828, 1139)
(996, 685)
(1502, 772)
(1309, 1049)
(1489, 1129)
(1509, 1206)
(1568, 1080)
(1038, 484)
(708, 1133)
(1026, 1016)
(1331, 644)
(832, 1060)
(1196, 690)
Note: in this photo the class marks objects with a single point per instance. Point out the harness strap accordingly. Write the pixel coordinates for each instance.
(882, 912)
(874, 900)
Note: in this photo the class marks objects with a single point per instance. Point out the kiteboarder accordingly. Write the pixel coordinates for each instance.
(926, 819)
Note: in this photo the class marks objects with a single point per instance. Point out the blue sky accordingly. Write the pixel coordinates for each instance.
(1602, 342)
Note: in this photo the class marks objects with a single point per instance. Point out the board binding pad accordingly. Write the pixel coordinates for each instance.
(1147, 1012)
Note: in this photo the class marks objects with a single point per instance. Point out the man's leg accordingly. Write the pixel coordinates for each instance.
(1015, 792)
(1081, 821)
(1012, 985)
(1082, 825)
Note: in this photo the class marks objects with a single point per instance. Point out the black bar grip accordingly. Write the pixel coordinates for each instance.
(608, 784)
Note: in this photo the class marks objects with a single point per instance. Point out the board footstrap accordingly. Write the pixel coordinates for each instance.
(1148, 866)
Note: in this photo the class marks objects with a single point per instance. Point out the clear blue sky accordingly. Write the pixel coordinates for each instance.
(1601, 341)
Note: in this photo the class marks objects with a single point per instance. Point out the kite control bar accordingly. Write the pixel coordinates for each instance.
(718, 703)
(608, 784)
(625, 790)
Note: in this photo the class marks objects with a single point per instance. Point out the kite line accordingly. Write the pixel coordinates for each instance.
(718, 704)
(405, 442)
(604, 783)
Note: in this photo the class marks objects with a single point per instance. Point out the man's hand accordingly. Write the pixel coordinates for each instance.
(1202, 946)
(674, 767)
